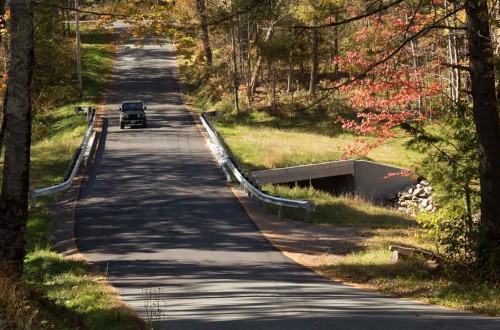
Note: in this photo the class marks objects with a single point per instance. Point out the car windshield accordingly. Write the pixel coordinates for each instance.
(133, 106)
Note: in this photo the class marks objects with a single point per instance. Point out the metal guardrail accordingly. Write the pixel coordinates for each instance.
(33, 194)
(223, 160)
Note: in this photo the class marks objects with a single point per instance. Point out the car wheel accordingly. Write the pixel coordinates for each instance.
(145, 125)
(122, 125)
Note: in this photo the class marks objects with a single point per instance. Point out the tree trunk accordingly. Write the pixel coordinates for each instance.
(240, 48)
(15, 184)
(336, 53)
(202, 12)
(486, 118)
(416, 65)
(454, 73)
(249, 61)
(273, 86)
(79, 90)
(68, 25)
(258, 65)
(315, 62)
(289, 87)
(235, 64)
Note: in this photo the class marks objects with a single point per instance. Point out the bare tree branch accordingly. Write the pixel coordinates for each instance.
(351, 19)
(80, 10)
(447, 27)
(456, 66)
(238, 12)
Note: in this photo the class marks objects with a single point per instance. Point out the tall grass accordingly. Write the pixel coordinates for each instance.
(344, 210)
(262, 141)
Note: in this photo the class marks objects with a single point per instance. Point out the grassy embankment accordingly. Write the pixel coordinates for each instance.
(259, 140)
(372, 266)
(57, 292)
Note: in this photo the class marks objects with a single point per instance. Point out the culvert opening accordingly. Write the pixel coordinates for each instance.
(363, 178)
(335, 185)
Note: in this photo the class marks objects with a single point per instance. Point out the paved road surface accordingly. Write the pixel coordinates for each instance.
(176, 243)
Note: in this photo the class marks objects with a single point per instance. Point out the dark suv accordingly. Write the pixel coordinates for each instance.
(132, 113)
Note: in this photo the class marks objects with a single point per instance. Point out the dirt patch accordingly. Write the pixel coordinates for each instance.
(311, 246)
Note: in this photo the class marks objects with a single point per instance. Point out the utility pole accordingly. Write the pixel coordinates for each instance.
(79, 92)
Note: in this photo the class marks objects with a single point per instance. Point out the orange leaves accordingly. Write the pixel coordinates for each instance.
(105, 20)
(3, 82)
(3, 22)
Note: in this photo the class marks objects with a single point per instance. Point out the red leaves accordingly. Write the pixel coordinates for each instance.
(381, 125)
(387, 83)
(403, 172)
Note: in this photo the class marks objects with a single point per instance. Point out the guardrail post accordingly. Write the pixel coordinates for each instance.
(280, 212)
(90, 114)
(309, 209)
(32, 197)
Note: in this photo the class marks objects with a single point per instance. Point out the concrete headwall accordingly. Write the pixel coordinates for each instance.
(368, 177)
(306, 172)
(370, 182)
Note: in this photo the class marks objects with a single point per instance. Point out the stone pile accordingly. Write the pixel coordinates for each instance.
(416, 199)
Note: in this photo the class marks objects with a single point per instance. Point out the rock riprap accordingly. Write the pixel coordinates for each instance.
(418, 198)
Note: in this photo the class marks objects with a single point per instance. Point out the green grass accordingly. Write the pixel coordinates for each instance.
(64, 293)
(343, 210)
(413, 279)
(372, 266)
(97, 59)
(39, 229)
(263, 141)
(51, 155)
(71, 285)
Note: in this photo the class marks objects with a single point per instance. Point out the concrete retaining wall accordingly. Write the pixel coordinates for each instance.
(370, 182)
(306, 172)
(368, 177)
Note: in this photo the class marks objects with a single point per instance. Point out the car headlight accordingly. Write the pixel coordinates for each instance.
(124, 116)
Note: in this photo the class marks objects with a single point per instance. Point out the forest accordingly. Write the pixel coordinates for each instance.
(421, 72)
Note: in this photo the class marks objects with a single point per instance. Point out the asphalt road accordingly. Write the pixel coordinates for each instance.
(157, 215)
